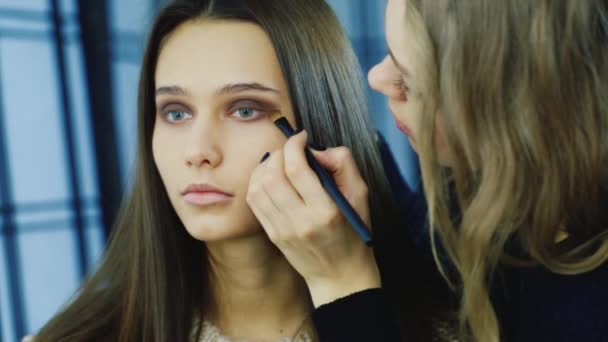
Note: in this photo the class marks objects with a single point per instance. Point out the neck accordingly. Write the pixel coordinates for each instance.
(256, 292)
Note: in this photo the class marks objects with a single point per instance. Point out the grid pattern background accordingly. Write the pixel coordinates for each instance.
(68, 83)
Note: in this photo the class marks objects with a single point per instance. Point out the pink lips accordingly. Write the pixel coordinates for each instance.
(403, 128)
(400, 125)
(205, 194)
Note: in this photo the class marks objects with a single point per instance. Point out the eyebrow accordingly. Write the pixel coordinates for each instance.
(242, 87)
(172, 90)
(399, 66)
(227, 89)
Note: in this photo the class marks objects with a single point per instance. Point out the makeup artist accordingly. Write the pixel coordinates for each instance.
(506, 104)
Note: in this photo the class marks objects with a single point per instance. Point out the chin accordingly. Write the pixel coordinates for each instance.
(210, 232)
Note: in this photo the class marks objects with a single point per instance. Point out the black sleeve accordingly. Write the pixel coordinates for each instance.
(362, 316)
(411, 201)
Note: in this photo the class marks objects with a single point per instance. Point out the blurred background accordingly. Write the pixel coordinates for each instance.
(68, 85)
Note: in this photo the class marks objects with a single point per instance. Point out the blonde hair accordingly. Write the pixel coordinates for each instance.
(522, 87)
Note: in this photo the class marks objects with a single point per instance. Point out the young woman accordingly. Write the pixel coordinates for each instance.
(506, 103)
(188, 260)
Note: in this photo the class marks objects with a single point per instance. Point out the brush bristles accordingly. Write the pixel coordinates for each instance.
(275, 115)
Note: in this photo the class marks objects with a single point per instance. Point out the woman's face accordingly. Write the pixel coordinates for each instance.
(400, 77)
(216, 83)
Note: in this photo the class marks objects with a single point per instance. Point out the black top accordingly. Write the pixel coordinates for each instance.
(532, 304)
(363, 316)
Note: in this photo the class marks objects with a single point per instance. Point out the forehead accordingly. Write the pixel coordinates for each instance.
(203, 51)
(396, 28)
(394, 16)
(408, 40)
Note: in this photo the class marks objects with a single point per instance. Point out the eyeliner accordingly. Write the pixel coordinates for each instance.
(328, 184)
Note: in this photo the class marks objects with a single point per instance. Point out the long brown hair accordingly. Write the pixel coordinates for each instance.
(153, 279)
(522, 87)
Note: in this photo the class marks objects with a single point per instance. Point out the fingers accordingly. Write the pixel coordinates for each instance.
(272, 198)
(288, 198)
(301, 176)
(277, 185)
(341, 166)
(339, 162)
(260, 203)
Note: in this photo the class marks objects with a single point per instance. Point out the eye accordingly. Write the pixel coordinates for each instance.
(249, 109)
(176, 115)
(246, 113)
(403, 89)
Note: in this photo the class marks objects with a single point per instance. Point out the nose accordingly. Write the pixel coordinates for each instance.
(382, 77)
(203, 147)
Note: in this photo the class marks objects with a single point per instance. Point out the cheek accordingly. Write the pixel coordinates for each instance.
(250, 143)
(242, 150)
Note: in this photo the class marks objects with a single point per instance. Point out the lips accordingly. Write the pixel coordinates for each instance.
(205, 194)
(400, 125)
(403, 128)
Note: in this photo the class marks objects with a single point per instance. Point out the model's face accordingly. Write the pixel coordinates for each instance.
(216, 84)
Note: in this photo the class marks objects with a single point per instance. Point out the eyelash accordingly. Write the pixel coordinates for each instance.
(167, 114)
(403, 88)
(259, 112)
(258, 108)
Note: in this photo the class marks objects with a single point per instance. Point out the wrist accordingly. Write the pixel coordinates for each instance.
(323, 291)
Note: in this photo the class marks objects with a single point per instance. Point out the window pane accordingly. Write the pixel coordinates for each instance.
(70, 28)
(11, 22)
(33, 121)
(128, 47)
(125, 117)
(131, 16)
(49, 272)
(42, 214)
(26, 4)
(80, 115)
(6, 314)
(345, 11)
(95, 241)
(67, 6)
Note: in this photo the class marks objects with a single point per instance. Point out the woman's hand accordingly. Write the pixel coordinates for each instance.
(307, 226)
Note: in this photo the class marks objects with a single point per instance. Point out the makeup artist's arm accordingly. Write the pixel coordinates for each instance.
(305, 224)
(362, 316)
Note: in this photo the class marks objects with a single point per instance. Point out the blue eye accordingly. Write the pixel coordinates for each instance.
(246, 113)
(176, 115)
(402, 88)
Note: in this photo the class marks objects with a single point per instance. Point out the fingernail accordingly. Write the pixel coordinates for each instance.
(316, 146)
(264, 157)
